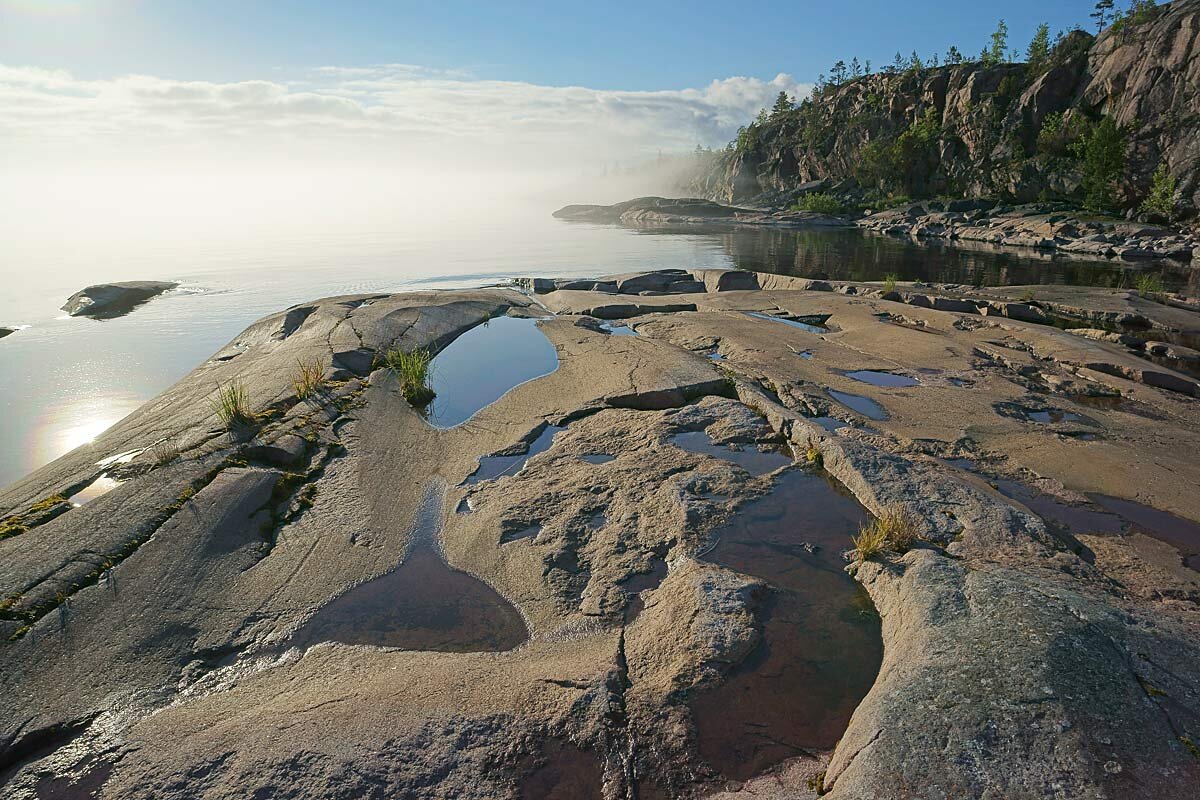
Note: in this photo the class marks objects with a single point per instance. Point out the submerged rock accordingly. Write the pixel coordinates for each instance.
(105, 300)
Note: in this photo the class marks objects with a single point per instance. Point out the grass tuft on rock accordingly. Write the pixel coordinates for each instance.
(232, 405)
(1150, 286)
(308, 378)
(412, 370)
(895, 530)
(889, 282)
(164, 452)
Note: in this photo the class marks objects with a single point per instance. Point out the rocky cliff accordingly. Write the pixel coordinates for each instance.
(1008, 130)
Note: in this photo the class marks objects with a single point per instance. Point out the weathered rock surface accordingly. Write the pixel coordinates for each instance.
(106, 300)
(1032, 227)
(147, 638)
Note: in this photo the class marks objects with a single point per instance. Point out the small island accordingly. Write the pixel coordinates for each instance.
(108, 300)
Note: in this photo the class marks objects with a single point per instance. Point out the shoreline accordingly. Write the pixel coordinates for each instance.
(756, 362)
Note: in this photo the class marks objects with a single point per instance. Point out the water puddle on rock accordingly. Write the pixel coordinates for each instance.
(821, 646)
(424, 604)
(617, 330)
(830, 424)
(888, 380)
(492, 467)
(1102, 516)
(485, 363)
(812, 324)
(101, 486)
(1182, 533)
(1051, 416)
(748, 456)
(856, 402)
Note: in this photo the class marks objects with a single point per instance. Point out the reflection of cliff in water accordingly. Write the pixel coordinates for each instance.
(853, 255)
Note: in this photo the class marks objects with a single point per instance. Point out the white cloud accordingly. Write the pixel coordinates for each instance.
(390, 111)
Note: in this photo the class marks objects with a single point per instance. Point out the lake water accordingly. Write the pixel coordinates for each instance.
(67, 379)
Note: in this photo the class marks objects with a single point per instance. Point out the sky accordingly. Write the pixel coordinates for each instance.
(129, 100)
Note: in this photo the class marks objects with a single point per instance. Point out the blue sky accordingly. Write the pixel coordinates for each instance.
(603, 45)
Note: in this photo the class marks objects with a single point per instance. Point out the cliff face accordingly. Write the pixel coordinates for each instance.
(969, 130)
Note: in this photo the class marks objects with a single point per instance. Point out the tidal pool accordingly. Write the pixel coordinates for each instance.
(1183, 534)
(484, 364)
(101, 486)
(856, 402)
(424, 604)
(747, 456)
(1052, 415)
(821, 646)
(795, 323)
(885, 379)
(492, 467)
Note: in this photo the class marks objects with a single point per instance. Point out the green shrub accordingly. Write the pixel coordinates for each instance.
(1161, 199)
(1102, 153)
(889, 282)
(819, 202)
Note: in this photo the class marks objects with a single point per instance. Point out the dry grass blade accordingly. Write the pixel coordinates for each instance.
(308, 379)
(895, 529)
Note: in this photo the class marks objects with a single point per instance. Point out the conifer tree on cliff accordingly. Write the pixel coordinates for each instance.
(1102, 14)
(999, 44)
(783, 104)
(1038, 54)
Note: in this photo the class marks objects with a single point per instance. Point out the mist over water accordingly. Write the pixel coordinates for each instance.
(244, 246)
(241, 250)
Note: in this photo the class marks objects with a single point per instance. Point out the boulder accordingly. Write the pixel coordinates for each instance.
(106, 300)
(726, 280)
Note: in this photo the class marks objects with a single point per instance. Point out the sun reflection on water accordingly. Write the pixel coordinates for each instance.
(77, 422)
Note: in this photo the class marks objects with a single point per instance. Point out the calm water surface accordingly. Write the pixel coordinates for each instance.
(65, 380)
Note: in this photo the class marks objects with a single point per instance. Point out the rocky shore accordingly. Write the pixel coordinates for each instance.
(1033, 226)
(648, 211)
(181, 634)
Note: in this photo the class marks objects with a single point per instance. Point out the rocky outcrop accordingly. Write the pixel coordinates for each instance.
(6, 331)
(660, 211)
(1031, 226)
(106, 300)
(150, 638)
(991, 131)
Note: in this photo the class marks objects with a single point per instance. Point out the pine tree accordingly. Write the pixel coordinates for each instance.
(867, 67)
(855, 68)
(914, 62)
(838, 73)
(898, 63)
(783, 104)
(999, 44)
(1038, 54)
(1102, 14)
(953, 56)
